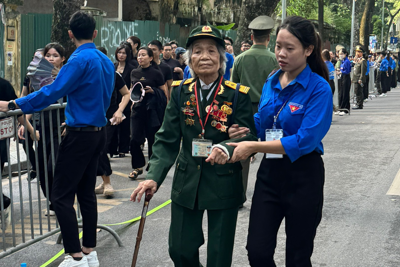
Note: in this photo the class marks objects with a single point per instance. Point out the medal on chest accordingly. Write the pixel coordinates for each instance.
(189, 109)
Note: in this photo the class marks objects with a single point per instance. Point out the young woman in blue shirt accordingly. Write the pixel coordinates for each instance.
(385, 73)
(345, 69)
(299, 99)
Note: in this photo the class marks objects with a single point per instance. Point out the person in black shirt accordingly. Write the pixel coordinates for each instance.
(147, 115)
(174, 64)
(7, 93)
(114, 117)
(135, 45)
(119, 144)
(156, 47)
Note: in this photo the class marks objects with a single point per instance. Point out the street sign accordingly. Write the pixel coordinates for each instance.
(7, 128)
(393, 40)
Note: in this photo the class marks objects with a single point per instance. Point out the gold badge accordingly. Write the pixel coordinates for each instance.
(192, 98)
(208, 108)
(221, 90)
(214, 123)
(206, 29)
(191, 87)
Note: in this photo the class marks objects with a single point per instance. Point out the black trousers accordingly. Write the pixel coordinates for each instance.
(119, 141)
(293, 191)
(366, 87)
(385, 82)
(332, 84)
(389, 82)
(378, 81)
(75, 174)
(359, 91)
(46, 163)
(398, 75)
(344, 98)
(141, 129)
(104, 167)
(393, 83)
(32, 158)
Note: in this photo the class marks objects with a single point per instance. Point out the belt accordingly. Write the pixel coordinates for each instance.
(85, 129)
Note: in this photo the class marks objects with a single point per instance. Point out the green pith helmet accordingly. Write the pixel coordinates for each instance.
(201, 32)
(262, 23)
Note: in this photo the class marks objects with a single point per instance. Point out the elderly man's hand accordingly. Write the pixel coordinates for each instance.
(237, 132)
(217, 156)
(242, 151)
(142, 188)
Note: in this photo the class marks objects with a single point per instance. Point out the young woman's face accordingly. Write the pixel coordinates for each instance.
(144, 59)
(54, 58)
(121, 55)
(289, 52)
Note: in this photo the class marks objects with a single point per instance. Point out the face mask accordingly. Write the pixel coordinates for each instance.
(341, 57)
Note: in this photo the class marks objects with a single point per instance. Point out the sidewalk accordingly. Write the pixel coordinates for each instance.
(13, 160)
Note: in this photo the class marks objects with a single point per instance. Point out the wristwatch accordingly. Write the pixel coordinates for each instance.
(11, 105)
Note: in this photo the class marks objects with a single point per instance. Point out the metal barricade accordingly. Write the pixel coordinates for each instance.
(23, 222)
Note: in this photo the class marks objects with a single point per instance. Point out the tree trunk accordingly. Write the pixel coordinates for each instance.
(357, 23)
(321, 20)
(250, 10)
(63, 10)
(365, 23)
(390, 23)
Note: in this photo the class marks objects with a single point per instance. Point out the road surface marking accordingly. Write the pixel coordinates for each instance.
(394, 189)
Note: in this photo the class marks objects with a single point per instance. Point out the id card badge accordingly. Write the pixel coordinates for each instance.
(271, 135)
(201, 148)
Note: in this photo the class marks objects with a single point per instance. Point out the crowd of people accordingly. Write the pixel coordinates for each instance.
(371, 73)
(194, 106)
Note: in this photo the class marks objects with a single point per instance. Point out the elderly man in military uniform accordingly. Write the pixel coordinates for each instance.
(359, 79)
(252, 68)
(199, 114)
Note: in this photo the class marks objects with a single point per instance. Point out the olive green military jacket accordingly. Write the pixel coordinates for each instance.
(360, 69)
(196, 183)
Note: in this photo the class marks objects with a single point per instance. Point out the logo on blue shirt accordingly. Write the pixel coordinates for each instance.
(294, 107)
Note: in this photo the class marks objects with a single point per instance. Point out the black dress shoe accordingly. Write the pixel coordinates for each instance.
(357, 107)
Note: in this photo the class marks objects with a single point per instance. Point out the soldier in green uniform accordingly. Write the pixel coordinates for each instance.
(199, 114)
(359, 79)
(252, 67)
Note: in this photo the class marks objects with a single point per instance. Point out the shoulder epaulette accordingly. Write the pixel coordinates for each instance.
(188, 81)
(176, 83)
(243, 89)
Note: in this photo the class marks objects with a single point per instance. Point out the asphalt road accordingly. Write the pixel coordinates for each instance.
(360, 225)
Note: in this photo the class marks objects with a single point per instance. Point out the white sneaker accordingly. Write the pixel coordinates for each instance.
(365, 100)
(92, 259)
(70, 262)
(342, 113)
(336, 112)
(108, 190)
(99, 189)
(7, 218)
(50, 213)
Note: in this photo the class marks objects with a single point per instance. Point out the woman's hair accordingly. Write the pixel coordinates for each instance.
(58, 47)
(344, 51)
(388, 56)
(135, 40)
(305, 32)
(127, 51)
(150, 54)
(222, 59)
(326, 55)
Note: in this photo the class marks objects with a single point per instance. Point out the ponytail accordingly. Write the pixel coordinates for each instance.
(306, 33)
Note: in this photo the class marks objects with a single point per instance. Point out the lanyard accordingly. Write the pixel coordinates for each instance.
(209, 111)
(279, 112)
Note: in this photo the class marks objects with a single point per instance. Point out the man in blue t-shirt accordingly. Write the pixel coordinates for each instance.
(88, 81)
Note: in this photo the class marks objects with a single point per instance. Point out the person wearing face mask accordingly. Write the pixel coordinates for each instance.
(294, 115)
(345, 69)
(359, 77)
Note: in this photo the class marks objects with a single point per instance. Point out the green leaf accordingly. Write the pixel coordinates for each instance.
(225, 27)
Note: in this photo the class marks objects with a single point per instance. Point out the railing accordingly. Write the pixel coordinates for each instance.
(23, 222)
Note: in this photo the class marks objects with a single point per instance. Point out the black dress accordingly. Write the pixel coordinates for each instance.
(120, 140)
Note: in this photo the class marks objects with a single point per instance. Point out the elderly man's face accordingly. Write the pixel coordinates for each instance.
(205, 57)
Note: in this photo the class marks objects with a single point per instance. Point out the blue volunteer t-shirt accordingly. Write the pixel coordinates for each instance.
(331, 70)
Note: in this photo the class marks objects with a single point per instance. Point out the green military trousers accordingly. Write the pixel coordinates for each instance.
(186, 236)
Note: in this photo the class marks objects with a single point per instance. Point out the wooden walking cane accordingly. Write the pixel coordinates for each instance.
(141, 226)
